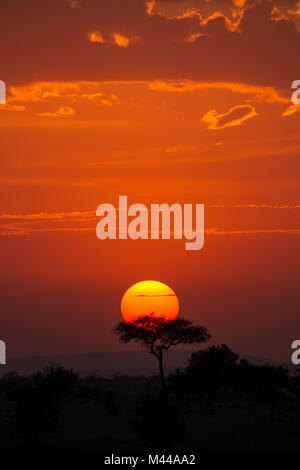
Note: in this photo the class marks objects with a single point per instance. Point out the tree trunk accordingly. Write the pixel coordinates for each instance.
(161, 371)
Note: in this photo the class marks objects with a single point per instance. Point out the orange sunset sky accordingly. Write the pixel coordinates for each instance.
(184, 101)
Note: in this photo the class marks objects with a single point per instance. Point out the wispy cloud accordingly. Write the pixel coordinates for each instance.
(255, 206)
(294, 231)
(11, 107)
(41, 92)
(85, 221)
(266, 94)
(154, 295)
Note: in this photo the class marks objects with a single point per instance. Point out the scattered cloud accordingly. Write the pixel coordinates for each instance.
(121, 40)
(62, 111)
(118, 39)
(233, 12)
(234, 117)
(239, 3)
(285, 11)
(95, 36)
(61, 96)
(205, 12)
(162, 25)
(292, 109)
(150, 4)
(195, 36)
(107, 103)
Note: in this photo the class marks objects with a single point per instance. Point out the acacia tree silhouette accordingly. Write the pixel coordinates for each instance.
(158, 335)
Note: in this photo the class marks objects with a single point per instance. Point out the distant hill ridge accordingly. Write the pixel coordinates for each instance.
(107, 364)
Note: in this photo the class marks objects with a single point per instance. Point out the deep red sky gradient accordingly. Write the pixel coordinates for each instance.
(195, 109)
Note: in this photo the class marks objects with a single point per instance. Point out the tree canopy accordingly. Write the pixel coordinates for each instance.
(158, 334)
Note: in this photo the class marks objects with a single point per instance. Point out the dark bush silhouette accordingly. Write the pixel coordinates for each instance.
(9, 384)
(157, 421)
(87, 393)
(38, 401)
(158, 335)
(268, 382)
(109, 399)
(120, 384)
(217, 368)
(212, 369)
(257, 406)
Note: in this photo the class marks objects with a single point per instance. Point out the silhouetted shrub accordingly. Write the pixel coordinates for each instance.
(9, 384)
(38, 400)
(109, 400)
(268, 382)
(157, 421)
(212, 369)
(88, 393)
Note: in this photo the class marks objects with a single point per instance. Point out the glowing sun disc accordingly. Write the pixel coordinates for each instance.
(146, 297)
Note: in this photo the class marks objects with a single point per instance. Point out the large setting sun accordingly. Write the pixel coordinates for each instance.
(146, 297)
